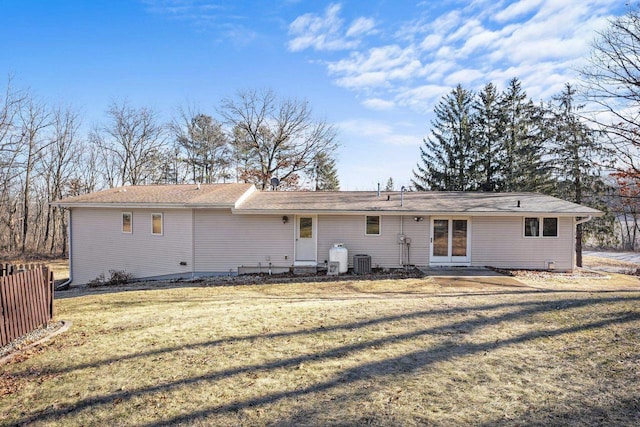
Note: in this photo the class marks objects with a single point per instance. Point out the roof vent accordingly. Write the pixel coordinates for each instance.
(518, 203)
(197, 186)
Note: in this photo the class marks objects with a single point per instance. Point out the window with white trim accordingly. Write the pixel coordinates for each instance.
(373, 223)
(127, 222)
(540, 227)
(156, 224)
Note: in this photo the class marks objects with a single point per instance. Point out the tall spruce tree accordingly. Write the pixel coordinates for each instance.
(575, 154)
(326, 175)
(488, 135)
(447, 157)
(523, 162)
(390, 185)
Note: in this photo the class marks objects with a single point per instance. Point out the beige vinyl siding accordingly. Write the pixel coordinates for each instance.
(224, 242)
(500, 242)
(419, 233)
(383, 249)
(99, 245)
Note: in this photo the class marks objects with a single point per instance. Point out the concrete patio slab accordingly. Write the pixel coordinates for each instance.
(471, 277)
(459, 272)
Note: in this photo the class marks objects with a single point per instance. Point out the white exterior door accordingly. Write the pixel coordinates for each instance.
(450, 239)
(306, 239)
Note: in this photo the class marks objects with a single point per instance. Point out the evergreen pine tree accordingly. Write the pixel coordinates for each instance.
(575, 154)
(389, 186)
(488, 136)
(523, 163)
(447, 161)
(326, 173)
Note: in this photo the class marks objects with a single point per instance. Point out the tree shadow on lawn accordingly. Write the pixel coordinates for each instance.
(232, 282)
(537, 306)
(402, 364)
(622, 412)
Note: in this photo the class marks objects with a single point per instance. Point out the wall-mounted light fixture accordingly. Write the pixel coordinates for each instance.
(285, 219)
(418, 218)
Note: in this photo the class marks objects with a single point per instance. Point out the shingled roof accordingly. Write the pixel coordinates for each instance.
(185, 195)
(429, 202)
(245, 199)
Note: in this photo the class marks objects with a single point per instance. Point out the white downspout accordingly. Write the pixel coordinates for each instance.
(401, 245)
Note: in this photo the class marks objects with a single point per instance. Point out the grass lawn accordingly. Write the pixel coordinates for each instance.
(405, 352)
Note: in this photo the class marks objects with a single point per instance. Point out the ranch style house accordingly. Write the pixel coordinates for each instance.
(172, 231)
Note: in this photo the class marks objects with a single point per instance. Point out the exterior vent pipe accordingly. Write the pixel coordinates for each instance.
(378, 190)
(402, 190)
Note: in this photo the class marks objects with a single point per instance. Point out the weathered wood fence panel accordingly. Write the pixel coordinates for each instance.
(26, 301)
(7, 269)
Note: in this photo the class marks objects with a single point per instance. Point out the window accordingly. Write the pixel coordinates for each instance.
(550, 227)
(532, 227)
(127, 220)
(306, 228)
(156, 223)
(373, 225)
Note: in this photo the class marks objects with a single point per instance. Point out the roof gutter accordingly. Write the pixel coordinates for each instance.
(583, 220)
(149, 205)
(406, 211)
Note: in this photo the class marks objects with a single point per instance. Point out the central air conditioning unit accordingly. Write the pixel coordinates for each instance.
(362, 264)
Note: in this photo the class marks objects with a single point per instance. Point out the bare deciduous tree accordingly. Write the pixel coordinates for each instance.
(34, 119)
(612, 82)
(131, 143)
(60, 162)
(11, 144)
(274, 137)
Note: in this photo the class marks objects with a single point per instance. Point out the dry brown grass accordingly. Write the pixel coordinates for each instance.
(600, 262)
(405, 352)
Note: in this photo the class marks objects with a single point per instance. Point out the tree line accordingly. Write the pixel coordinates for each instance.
(486, 141)
(581, 146)
(44, 155)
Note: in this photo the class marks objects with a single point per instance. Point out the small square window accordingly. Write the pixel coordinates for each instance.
(532, 227)
(550, 227)
(156, 223)
(127, 222)
(373, 225)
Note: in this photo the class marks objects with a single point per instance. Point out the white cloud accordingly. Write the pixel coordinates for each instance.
(541, 42)
(379, 132)
(220, 19)
(422, 98)
(431, 42)
(377, 67)
(327, 33)
(361, 26)
(378, 104)
(465, 77)
(517, 9)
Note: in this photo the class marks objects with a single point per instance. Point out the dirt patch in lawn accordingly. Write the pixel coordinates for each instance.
(479, 283)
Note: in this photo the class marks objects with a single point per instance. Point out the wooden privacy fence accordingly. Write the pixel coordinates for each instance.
(26, 301)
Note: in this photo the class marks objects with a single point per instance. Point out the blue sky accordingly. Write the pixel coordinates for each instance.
(373, 68)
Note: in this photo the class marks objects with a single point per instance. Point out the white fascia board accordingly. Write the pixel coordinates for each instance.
(140, 206)
(412, 212)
